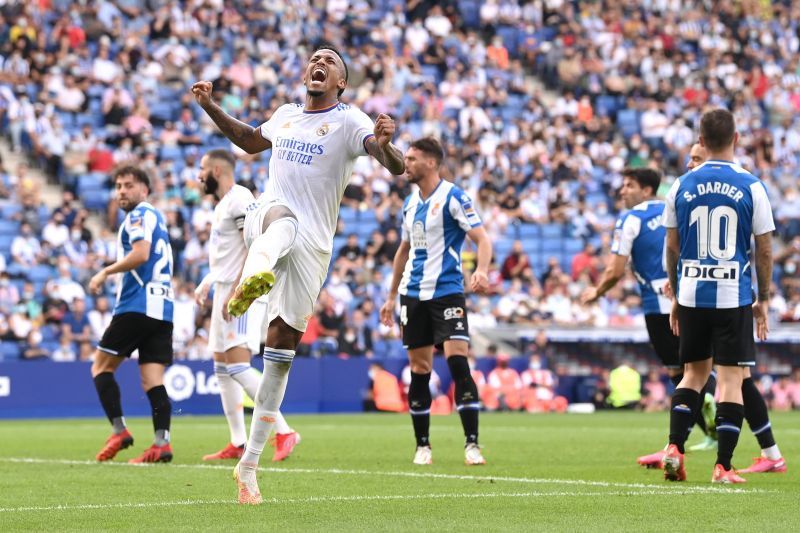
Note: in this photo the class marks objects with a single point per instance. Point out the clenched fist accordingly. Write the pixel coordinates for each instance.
(384, 129)
(202, 93)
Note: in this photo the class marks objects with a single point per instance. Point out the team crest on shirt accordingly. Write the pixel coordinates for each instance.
(323, 130)
(287, 125)
(435, 210)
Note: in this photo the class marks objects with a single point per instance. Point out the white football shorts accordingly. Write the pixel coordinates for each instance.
(243, 331)
(299, 274)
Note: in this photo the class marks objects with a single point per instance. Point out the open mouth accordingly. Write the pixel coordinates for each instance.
(319, 74)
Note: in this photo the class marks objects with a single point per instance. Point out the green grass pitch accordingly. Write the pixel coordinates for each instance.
(354, 472)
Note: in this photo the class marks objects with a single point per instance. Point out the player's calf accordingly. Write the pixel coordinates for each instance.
(466, 396)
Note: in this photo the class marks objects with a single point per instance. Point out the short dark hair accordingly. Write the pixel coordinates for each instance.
(431, 146)
(645, 177)
(717, 128)
(339, 54)
(222, 154)
(137, 173)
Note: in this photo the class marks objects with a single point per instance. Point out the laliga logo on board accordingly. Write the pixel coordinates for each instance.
(182, 383)
(5, 386)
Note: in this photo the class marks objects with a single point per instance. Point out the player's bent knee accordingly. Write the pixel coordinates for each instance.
(276, 213)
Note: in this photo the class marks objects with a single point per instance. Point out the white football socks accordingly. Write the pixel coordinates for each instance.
(277, 364)
(246, 376)
(772, 453)
(230, 392)
(270, 246)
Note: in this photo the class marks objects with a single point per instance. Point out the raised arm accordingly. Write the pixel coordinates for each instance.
(381, 148)
(242, 135)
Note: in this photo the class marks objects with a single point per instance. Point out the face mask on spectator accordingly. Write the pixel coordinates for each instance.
(4, 282)
(76, 235)
(535, 365)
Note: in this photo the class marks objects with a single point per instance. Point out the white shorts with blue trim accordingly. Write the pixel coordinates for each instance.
(243, 331)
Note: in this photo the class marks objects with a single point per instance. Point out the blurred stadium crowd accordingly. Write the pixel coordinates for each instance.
(540, 105)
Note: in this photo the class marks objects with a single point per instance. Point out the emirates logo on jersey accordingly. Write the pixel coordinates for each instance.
(323, 130)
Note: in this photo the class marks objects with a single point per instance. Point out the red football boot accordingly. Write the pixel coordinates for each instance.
(228, 452)
(673, 464)
(284, 444)
(155, 454)
(721, 475)
(653, 460)
(115, 443)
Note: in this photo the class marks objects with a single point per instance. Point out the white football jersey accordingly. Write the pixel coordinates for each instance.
(227, 251)
(313, 153)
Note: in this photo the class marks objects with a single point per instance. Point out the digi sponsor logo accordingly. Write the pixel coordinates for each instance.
(453, 312)
(5, 386)
(721, 272)
(182, 383)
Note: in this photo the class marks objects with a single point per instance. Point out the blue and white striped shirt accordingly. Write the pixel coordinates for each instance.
(716, 208)
(639, 234)
(146, 289)
(435, 229)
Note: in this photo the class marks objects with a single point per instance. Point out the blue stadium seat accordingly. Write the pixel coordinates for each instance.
(10, 350)
(41, 273)
(628, 122)
(510, 36)
(96, 200)
(552, 231)
(170, 152)
(10, 210)
(573, 246)
(9, 227)
(5, 243)
(527, 231)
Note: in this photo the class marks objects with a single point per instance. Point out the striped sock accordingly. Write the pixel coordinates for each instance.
(755, 411)
(466, 395)
(685, 404)
(729, 424)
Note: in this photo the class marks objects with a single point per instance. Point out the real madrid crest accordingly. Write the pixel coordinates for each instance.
(323, 130)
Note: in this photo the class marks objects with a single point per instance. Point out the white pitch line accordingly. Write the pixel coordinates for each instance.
(356, 498)
(421, 475)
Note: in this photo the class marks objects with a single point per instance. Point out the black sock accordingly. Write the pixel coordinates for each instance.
(676, 380)
(729, 424)
(108, 392)
(711, 384)
(755, 411)
(685, 403)
(466, 396)
(419, 406)
(162, 413)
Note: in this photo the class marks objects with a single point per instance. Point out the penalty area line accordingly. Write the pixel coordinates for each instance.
(421, 475)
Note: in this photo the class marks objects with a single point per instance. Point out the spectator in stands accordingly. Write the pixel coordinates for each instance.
(64, 287)
(99, 318)
(76, 329)
(65, 352)
(356, 337)
(25, 248)
(586, 261)
(539, 388)
(20, 323)
(481, 316)
(781, 395)
(517, 265)
(33, 348)
(331, 321)
(9, 295)
(55, 233)
(655, 393)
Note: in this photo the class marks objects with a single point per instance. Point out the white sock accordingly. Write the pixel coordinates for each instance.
(270, 246)
(281, 426)
(277, 364)
(230, 393)
(246, 376)
(772, 453)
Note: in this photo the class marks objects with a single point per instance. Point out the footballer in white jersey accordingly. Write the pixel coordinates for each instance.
(232, 340)
(289, 232)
